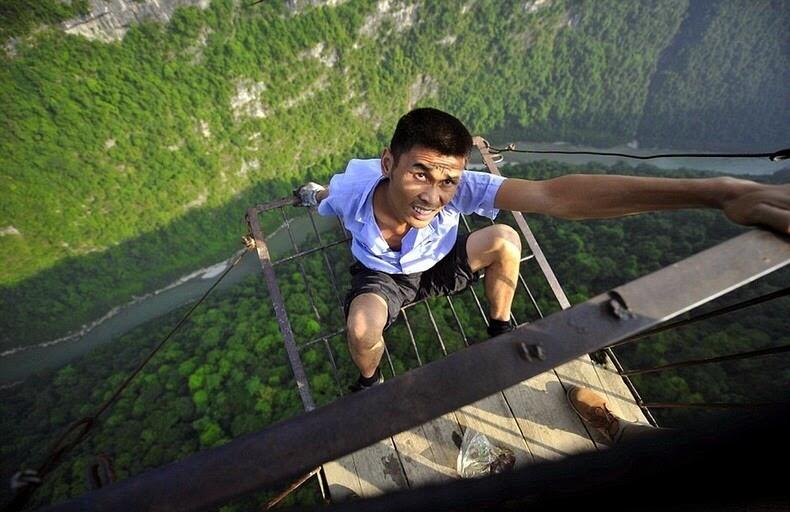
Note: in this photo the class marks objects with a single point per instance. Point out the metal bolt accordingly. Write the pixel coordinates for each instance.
(619, 309)
(530, 352)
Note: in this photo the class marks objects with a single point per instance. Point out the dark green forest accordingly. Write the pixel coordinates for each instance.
(226, 372)
(718, 85)
(125, 165)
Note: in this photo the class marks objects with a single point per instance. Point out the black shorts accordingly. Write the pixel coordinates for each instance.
(450, 275)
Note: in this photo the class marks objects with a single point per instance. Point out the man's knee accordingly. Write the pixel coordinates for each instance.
(367, 317)
(492, 245)
(506, 242)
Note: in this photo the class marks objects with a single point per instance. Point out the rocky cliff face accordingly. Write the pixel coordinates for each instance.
(296, 6)
(108, 20)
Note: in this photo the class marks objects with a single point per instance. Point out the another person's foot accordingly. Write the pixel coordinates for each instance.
(364, 383)
(592, 408)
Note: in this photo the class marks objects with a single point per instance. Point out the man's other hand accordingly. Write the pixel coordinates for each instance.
(308, 195)
(757, 204)
(24, 478)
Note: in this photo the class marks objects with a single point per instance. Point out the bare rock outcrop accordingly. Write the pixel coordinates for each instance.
(108, 20)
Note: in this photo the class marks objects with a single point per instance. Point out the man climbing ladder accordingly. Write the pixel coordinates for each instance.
(403, 209)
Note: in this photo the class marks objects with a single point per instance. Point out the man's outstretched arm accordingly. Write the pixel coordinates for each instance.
(581, 196)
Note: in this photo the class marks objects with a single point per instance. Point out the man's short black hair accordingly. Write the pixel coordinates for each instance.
(433, 129)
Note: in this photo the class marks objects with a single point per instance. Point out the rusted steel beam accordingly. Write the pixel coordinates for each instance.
(556, 288)
(291, 448)
(483, 146)
(277, 301)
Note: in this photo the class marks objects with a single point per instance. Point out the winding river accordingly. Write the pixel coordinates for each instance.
(18, 364)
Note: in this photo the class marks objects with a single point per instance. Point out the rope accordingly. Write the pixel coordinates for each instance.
(782, 154)
(718, 359)
(704, 316)
(82, 427)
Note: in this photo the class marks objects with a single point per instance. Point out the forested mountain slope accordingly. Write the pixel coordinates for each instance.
(721, 84)
(124, 165)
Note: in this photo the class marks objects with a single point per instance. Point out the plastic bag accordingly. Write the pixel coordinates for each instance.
(479, 457)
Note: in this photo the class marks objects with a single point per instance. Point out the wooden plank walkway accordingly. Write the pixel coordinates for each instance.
(532, 418)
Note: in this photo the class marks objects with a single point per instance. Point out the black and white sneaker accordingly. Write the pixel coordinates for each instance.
(362, 383)
(498, 327)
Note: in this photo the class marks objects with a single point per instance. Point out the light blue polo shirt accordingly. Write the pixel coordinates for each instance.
(351, 199)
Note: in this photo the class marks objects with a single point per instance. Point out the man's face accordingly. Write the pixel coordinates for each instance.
(421, 183)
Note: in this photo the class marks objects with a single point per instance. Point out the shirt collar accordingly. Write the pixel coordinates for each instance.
(365, 206)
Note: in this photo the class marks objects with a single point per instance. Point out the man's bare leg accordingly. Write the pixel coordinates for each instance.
(497, 249)
(367, 316)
